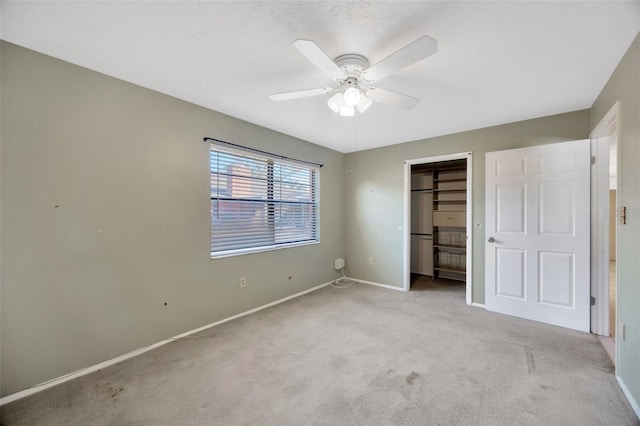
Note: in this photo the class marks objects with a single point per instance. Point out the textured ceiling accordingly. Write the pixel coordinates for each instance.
(498, 62)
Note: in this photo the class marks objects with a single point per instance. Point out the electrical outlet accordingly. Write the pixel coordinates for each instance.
(243, 282)
(371, 261)
(338, 263)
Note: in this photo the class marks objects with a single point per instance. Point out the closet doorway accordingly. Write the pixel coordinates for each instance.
(437, 222)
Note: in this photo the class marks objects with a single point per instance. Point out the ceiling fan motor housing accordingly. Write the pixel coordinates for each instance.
(352, 65)
(349, 82)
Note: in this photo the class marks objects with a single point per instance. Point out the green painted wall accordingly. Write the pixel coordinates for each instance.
(374, 191)
(105, 216)
(624, 86)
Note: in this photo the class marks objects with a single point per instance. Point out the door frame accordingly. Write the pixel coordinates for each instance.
(407, 216)
(609, 125)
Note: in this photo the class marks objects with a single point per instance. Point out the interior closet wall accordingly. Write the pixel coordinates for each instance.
(450, 220)
(421, 221)
(438, 219)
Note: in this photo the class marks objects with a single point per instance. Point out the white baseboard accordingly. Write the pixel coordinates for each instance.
(390, 287)
(630, 398)
(478, 305)
(84, 371)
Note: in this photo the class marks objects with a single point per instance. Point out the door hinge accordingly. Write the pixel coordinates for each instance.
(593, 301)
(593, 159)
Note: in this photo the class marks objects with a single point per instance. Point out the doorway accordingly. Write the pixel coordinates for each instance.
(604, 195)
(611, 229)
(437, 220)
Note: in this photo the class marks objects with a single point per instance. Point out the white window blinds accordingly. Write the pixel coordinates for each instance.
(260, 202)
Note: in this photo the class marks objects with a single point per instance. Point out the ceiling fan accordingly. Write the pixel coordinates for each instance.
(352, 70)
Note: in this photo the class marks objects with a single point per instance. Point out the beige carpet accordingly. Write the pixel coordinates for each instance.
(356, 356)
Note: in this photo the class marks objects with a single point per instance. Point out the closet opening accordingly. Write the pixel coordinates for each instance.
(438, 206)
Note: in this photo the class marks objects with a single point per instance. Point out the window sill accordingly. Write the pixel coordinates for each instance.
(240, 252)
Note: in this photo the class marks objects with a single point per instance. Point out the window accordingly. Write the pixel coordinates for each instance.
(260, 201)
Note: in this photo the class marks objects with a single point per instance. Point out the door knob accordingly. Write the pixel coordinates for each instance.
(491, 239)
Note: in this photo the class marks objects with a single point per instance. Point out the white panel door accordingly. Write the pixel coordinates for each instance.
(538, 233)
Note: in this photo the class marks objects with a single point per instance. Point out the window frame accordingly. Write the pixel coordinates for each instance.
(271, 203)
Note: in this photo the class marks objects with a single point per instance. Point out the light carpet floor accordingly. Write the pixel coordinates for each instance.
(356, 356)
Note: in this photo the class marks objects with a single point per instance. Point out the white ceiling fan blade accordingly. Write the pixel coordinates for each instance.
(410, 54)
(300, 94)
(394, 99)
(320, 59)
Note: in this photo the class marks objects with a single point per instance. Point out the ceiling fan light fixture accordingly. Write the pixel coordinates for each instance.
(352, 96)
(364, 104)
(351, 69)
(336, 102)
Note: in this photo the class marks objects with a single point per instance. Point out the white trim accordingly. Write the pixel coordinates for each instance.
(406, 223)
(387, 286)
(407, 217)
(599, 321)
(609, 117)
(478, 305)
(84, 371)
(469, 254)
(600, 223)
(634, 404)
(609, 346)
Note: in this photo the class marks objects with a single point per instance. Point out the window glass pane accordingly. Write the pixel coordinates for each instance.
(260, 202)
(295, 222)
